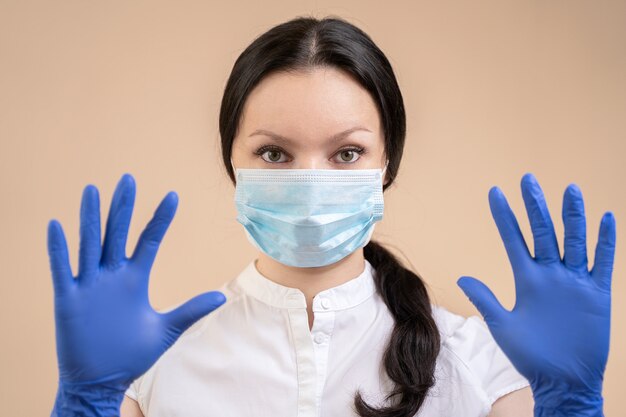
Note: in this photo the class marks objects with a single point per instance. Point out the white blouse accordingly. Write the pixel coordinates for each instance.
(255, 356)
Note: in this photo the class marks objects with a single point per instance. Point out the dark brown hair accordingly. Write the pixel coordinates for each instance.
(304, 43)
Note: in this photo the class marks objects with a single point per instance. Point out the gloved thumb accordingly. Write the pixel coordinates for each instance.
(481, 296)
(193, 310)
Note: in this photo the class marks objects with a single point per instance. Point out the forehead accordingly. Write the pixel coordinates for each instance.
(322, 99)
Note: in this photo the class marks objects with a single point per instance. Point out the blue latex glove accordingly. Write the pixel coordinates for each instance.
(107, 333)
(557, 334)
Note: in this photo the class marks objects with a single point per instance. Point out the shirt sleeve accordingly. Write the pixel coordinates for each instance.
(133, 390)
(472, 342)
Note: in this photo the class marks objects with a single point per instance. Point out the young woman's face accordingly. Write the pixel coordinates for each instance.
(321, 119)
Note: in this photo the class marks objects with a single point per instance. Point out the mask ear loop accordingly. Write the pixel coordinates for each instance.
(234, 170)
(382, 173)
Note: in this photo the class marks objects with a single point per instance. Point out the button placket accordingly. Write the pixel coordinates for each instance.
(305, 355)
(306, 362)
(322, 330)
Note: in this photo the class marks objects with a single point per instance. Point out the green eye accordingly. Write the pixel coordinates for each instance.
(273, 156)
(347, 155)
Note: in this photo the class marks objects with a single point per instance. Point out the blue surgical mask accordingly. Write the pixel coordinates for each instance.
(309, 217)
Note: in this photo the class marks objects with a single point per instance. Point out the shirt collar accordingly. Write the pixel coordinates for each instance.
(343, 296)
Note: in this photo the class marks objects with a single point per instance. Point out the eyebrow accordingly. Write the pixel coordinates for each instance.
(283, 139)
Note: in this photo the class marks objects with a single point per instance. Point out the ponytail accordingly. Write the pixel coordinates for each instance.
(412, 351)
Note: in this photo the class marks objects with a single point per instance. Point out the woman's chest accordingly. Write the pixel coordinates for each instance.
(281, 367)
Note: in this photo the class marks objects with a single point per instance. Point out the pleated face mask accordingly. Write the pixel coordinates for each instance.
(309, 217)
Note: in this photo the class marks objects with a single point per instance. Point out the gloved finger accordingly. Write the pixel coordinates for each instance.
(575, 242)
(90, 240)
(482, 297)
(546, 246)
(508, 227)
(59, 259)
(114, 250)
(605, 252)
(181, 318)
(152, 235)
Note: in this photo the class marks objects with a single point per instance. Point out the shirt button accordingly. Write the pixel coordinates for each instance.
(319, 338)
(325, 303)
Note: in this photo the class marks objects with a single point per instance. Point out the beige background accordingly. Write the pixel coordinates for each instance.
(493, 89)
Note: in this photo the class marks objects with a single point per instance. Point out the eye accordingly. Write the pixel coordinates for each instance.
(349, 155)
(271, 154)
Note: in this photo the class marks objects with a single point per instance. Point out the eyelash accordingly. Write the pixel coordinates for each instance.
(359, 150)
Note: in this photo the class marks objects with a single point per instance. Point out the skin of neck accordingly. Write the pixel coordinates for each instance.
(312, 280)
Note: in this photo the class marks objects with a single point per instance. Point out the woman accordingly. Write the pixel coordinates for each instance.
(325, 321)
